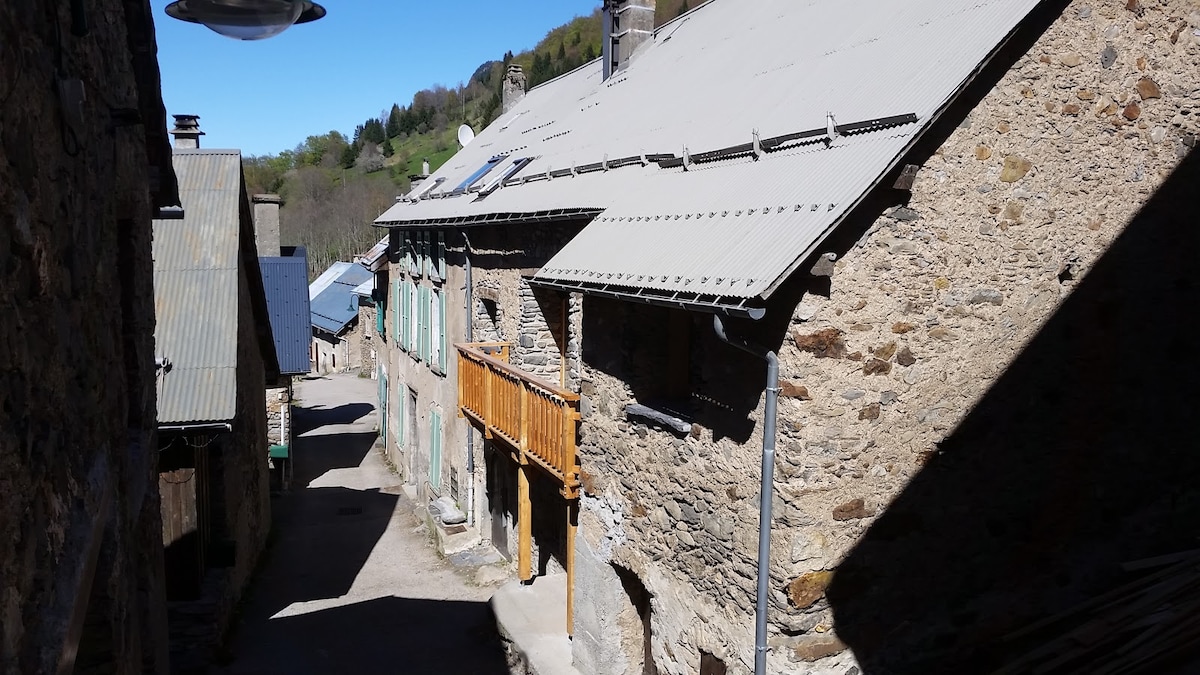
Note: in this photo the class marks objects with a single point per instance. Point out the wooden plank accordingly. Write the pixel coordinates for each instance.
(524, 526)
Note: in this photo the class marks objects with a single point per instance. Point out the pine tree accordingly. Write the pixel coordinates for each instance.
(589, 54)
(562, 52)
(683, 9)
(393, 122)
(350, 155)
(388, 150)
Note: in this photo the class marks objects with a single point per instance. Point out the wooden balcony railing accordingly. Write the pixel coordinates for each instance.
(535, 419)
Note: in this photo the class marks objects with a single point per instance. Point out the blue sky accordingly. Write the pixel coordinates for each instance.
(269, 95)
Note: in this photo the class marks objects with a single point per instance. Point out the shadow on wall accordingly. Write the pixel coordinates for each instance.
(1082, 456)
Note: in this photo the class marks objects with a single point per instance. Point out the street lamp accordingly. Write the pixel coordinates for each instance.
(246, 19)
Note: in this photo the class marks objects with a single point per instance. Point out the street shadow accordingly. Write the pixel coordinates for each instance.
(386, 635)
(318, 454)
(1082, 456)
(308, 419)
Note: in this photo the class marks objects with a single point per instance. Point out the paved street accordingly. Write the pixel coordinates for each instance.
(350, 582)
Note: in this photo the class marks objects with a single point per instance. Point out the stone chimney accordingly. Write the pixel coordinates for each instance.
(266, 225)
(187, 132)
(514, 87)
(627, 24)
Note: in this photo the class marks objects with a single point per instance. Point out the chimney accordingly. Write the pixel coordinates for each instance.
(425, 167)
(514, 88)
(266, 225)
(626, 24)
(187, 132)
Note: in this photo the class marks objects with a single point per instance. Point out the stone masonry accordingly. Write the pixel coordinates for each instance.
(1008, 214)
(81, 567)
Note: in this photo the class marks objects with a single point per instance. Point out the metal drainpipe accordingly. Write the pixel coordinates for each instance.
(766, 491)
(470, 336)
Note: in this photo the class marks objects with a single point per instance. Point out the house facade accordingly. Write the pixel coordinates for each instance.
(213, 338)
(81, 570)
(878, 269)
(337, 336)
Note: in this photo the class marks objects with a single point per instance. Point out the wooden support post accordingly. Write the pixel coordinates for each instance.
(524, 525)
(572, 526)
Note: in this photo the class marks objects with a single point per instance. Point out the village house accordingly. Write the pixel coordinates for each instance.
(786, 265)
(337, 333)
(371, 315)
(214, 340)
(81, 570)
(285, 280)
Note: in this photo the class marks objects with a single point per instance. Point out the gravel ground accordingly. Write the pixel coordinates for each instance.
(351, 582)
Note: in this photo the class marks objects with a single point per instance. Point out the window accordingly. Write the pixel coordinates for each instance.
(438, 265)
(437, 331)
(435, 448)
(405, 339)
(401, 420)
(423, 261)
(380, 297)
(513, 170)
(410, 253)
(395, 311)
(478, 175)
(414, 324)
(422, 322)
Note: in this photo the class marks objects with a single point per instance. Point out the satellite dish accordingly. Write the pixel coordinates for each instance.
(465, 135)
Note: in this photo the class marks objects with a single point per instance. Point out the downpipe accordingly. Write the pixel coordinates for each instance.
(766, 490)
(470, 336)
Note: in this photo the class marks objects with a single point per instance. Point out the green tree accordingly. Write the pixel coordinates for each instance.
(393, 123)
(682, 9)
(562, 52)
(589, 54)
(388, 150)
(350, 156)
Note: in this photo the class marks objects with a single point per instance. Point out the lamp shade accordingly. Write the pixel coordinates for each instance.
(246, 19)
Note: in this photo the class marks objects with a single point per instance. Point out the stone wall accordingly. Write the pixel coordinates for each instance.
(1024, 191)
(81, 565)
(372, 344)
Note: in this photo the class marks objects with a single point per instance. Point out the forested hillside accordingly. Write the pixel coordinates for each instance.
(334, 185)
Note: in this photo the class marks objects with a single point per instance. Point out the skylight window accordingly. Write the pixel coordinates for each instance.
(513, 170)
(478, 175)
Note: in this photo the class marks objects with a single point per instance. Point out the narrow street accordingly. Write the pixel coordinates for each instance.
(350, 582)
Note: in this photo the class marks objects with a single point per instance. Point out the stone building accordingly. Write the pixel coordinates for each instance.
(958, 231)
(337, 333)
(84, 166)
(213, 336)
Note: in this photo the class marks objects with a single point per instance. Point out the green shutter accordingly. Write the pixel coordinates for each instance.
(383, 406)
(435, 449)
(396, 311)
(405, 316)
(442, 332)
(425, 324)
(441, 255)
(380, 315)
(423, 258)
(398, 427)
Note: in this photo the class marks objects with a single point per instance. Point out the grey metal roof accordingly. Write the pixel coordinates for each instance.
(376, 257)
(730, 226)
(196, 290)
(335, 306)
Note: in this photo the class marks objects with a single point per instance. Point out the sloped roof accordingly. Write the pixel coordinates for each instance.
(737, 219)
(375, 259)
(285, 280)
(196, 290)
(334, 304)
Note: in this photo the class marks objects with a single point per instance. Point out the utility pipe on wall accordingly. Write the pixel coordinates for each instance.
(766, 491)
(470, 296)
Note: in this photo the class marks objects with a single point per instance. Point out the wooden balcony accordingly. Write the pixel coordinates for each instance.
(536, 420)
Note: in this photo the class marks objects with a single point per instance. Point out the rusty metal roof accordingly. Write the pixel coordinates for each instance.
(788, 113)
(196, 290)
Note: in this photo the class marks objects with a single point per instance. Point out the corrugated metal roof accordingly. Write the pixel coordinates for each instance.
(334, 306)
(285, 281)
(365, 289)
(196, 290)
(376, 257)
(709, 81)
(327, 277)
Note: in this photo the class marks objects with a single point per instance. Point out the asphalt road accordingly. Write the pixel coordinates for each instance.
(350, 582)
